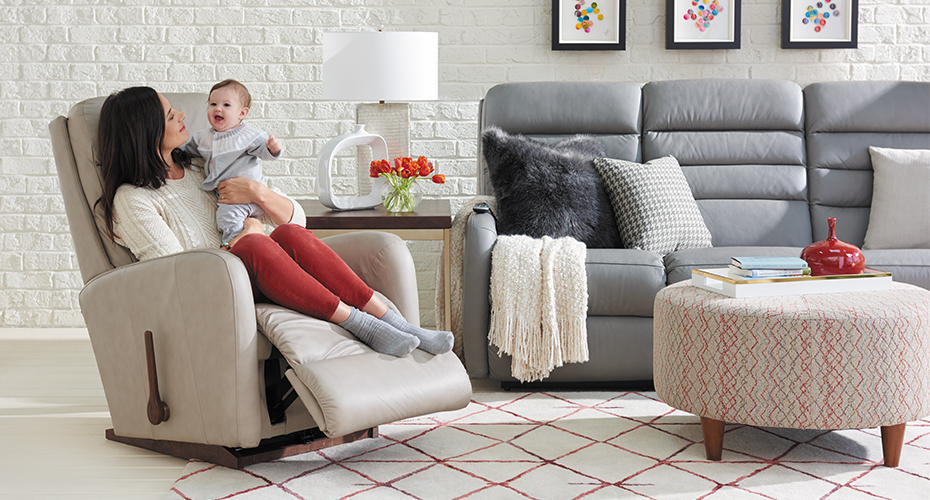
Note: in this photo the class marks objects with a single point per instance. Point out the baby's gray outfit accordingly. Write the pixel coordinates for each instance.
(232, 153)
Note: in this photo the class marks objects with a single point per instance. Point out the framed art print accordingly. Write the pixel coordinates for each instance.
(702, 24)
(588, 24)
(819, 24)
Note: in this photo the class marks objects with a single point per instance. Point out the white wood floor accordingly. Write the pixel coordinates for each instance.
(53, 415)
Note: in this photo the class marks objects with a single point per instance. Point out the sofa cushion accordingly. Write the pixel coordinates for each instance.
(611, 112)
(653, 204)
(679, 264)
(549, 190)
(900, 214)
(905, 265)
(843, 120)
(623, 282)
(740, 144)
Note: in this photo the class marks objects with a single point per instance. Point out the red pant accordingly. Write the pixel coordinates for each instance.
(294, 269)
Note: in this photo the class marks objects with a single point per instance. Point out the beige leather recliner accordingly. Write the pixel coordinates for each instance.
(225, 385)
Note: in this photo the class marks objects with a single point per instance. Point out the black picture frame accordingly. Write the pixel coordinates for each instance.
(678, 36)
(796, 34)
(565, 36)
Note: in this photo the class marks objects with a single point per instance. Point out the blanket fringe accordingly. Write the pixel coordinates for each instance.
(574, 346)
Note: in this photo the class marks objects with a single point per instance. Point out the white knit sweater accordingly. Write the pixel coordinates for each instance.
(176, 217)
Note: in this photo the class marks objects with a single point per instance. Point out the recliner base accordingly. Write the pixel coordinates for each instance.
(269, 449)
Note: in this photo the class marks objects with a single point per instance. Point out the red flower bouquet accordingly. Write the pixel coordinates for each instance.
(400, 193)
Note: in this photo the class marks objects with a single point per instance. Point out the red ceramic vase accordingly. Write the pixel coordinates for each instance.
(832, 256)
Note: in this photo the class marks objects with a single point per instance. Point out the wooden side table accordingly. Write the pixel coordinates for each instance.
(431, 221)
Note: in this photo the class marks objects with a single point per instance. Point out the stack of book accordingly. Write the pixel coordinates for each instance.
(767, 267)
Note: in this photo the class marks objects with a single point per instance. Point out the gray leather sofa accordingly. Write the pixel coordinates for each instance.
(243, 382)
(767, 161)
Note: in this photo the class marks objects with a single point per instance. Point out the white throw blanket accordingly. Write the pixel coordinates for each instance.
(539, 297)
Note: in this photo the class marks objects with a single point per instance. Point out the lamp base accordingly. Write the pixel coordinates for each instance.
(326, 165)
(392, 122)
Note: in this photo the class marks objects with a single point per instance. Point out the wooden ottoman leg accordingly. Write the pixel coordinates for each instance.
(892, 441)
(713, 437)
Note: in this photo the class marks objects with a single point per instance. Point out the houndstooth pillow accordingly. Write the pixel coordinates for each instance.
(653, 204)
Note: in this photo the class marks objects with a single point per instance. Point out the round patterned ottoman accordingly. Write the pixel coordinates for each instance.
(821, 361)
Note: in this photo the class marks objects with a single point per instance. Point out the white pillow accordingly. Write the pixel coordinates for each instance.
(900, 214)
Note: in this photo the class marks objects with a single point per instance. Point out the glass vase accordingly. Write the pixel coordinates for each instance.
(400, 195)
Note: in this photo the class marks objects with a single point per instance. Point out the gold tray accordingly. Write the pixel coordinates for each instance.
(718, 280)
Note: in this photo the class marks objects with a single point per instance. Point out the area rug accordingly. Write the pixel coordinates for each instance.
(587, 445)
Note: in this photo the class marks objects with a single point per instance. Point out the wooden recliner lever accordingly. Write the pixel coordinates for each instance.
(157, 409)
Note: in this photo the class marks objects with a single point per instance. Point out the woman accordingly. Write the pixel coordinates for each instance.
(153, 204)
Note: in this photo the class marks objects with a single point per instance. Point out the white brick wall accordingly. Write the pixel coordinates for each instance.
(53, 54)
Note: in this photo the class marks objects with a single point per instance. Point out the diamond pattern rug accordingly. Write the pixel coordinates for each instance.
(591, 445)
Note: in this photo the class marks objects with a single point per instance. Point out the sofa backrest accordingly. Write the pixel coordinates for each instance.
(843, 120)
(552, 111)
(740, 144)
(74, 142)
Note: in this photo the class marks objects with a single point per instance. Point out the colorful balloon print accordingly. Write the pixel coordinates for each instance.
(705, 12)
(585, 15)
(818, 18)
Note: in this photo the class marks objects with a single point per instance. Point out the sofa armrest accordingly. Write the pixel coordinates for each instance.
(199, 306)
(480, 236)
(383, 262)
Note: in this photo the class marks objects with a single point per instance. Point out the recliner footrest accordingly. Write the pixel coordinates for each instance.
(348, 387)
(357, 392)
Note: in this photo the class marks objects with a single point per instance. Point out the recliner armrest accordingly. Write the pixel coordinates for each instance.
(480, 236)
(200, 308)
(384, 263)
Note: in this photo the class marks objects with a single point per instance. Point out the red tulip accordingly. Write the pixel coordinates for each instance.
(379, 167)
(406, 168)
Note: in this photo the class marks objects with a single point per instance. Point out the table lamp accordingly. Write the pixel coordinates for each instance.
(375, 66)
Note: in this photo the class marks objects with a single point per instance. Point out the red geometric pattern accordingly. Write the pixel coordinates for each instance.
(590, 445)
(819, 361)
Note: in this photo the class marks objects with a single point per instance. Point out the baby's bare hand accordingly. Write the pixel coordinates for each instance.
(274, 147)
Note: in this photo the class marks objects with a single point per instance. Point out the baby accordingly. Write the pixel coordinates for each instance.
(232, 149)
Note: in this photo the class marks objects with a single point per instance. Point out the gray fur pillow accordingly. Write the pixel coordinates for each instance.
(549, 189)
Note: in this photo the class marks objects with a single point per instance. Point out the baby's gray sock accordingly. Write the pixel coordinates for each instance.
(379, 335)
(431, 341)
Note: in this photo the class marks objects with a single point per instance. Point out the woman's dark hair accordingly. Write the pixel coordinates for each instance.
(130, 135)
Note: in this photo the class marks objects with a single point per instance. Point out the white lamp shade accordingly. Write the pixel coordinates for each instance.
(381, 66)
